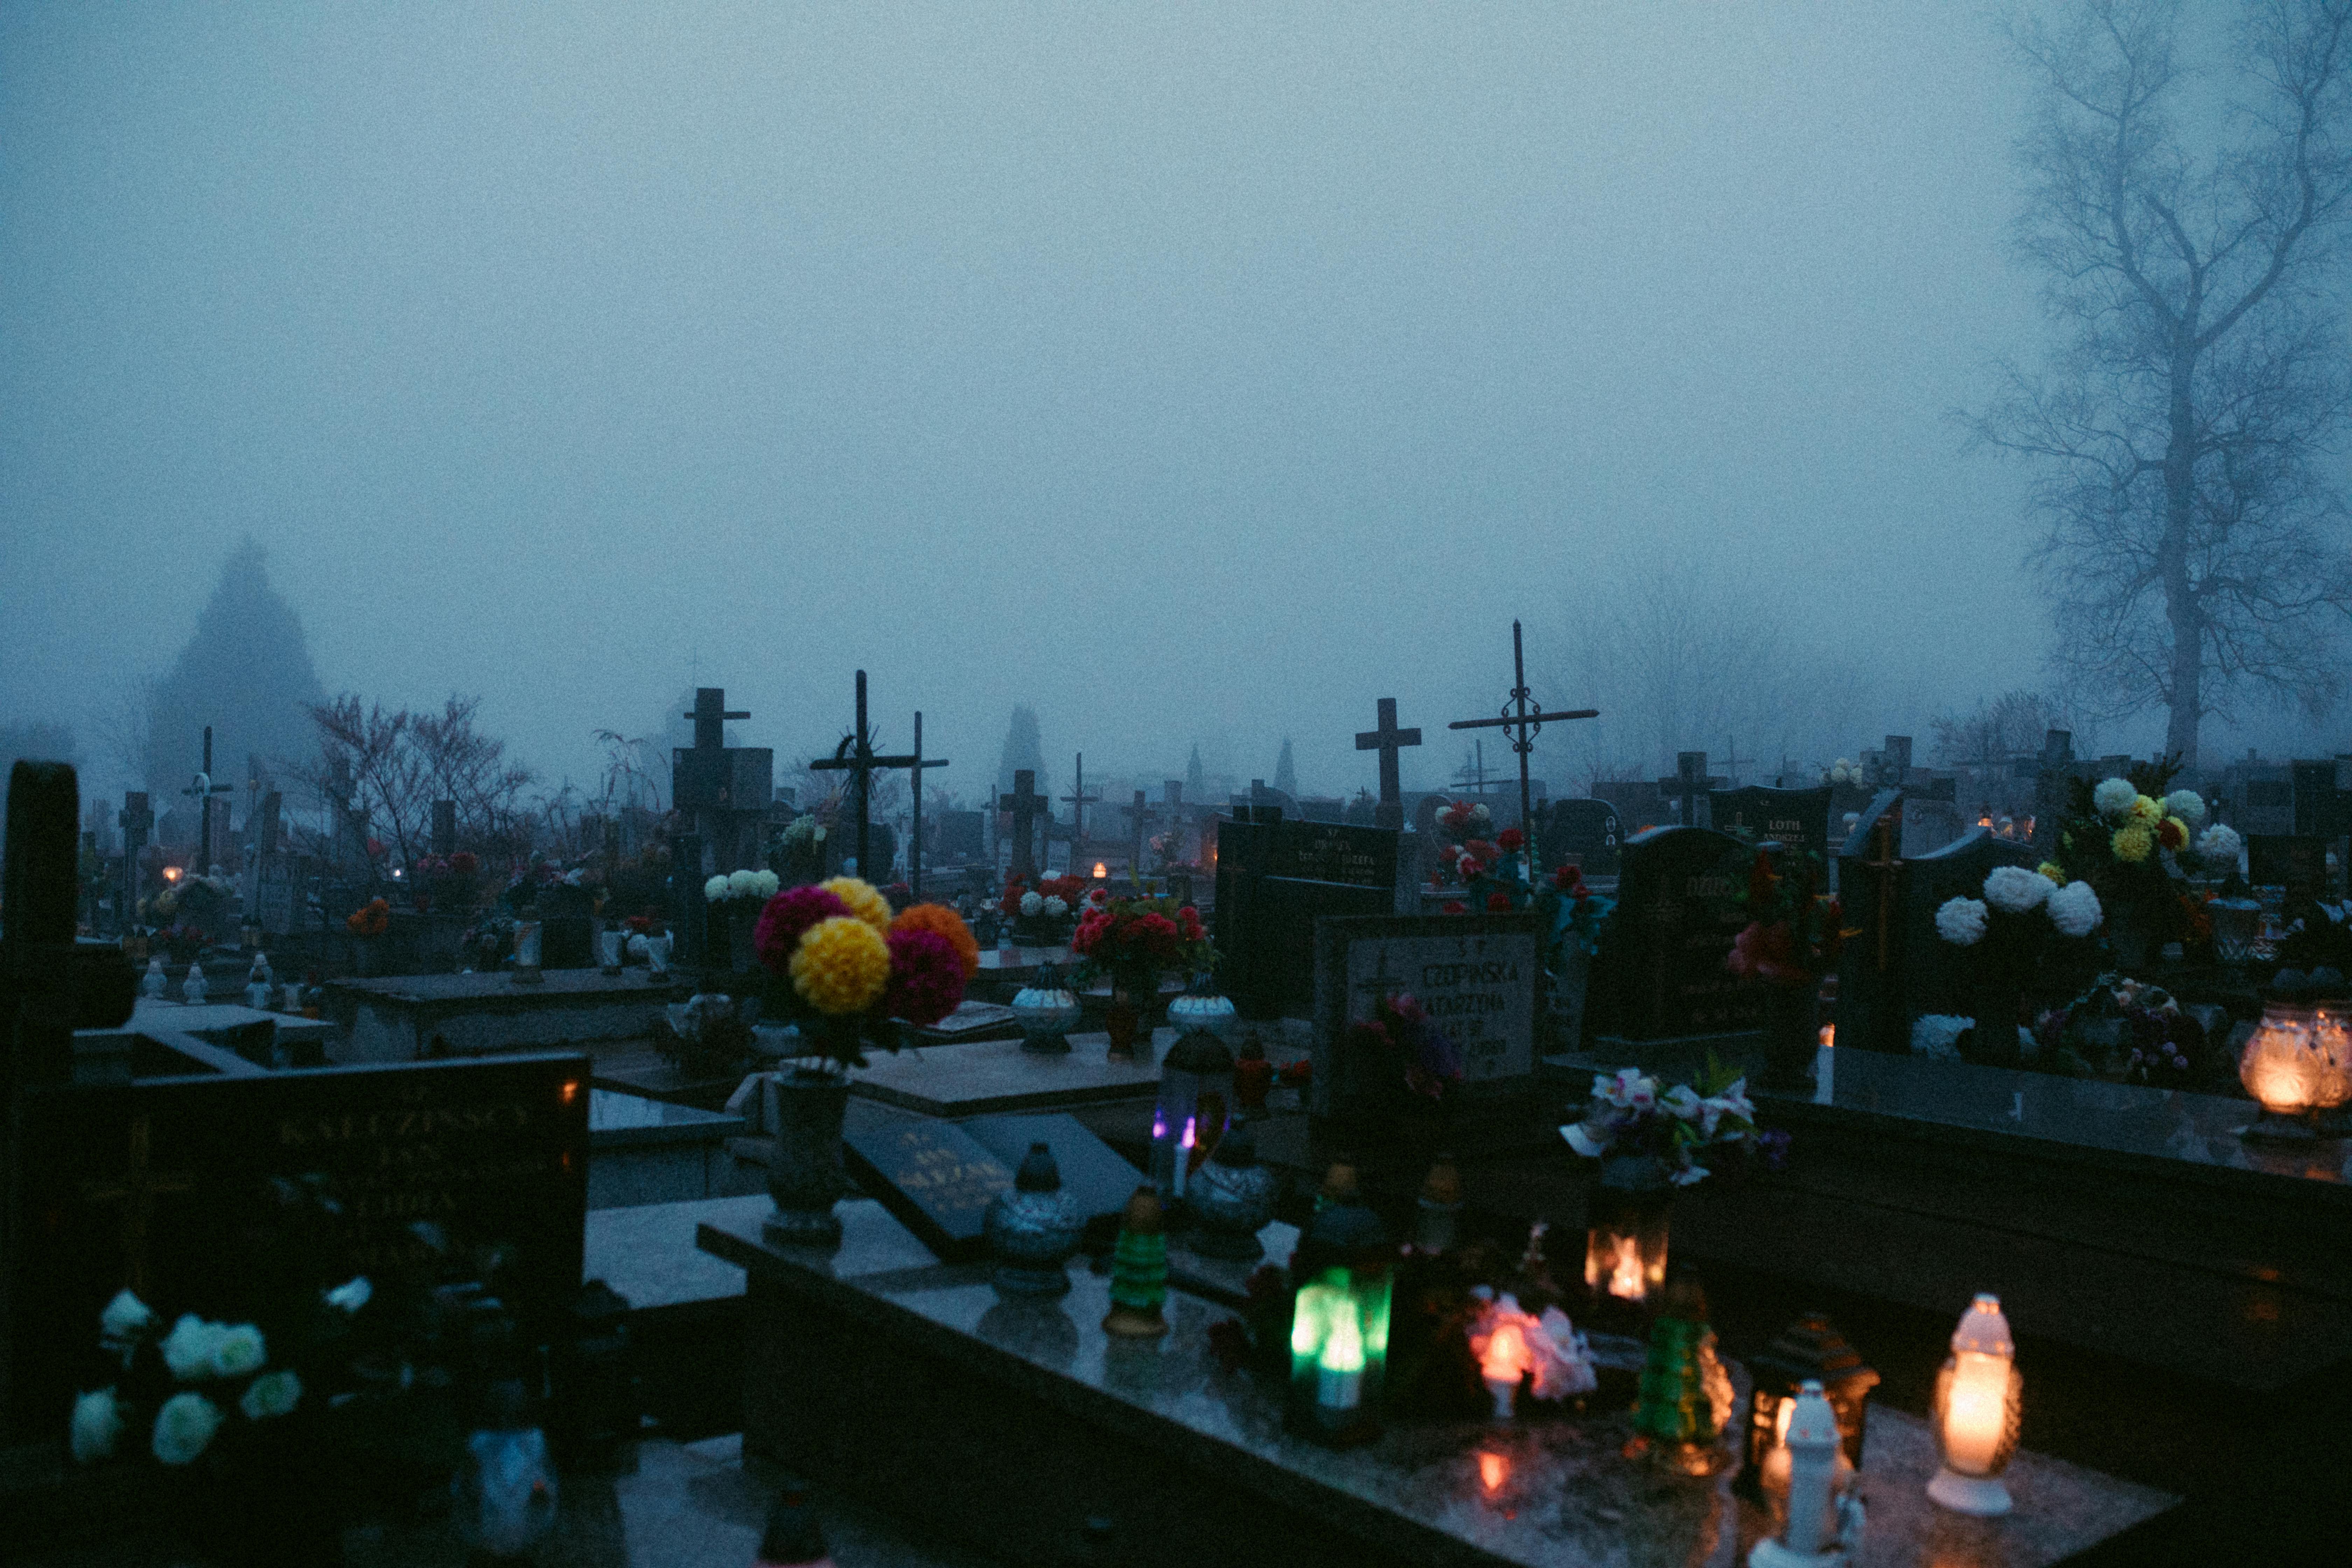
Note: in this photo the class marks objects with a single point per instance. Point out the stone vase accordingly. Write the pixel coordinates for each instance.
(1997, 1001)
(802, 1110)
(1791, 1031)
(1126, 1019)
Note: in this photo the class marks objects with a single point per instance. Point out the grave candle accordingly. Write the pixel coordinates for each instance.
(1975, 1413)
(1504, 1363)
(2279, 1066)
(1340, 1325)
(1340, 1365)
(1812, 1446)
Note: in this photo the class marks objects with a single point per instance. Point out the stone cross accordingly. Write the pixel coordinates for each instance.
(856, 757)
(1690, 783)
(203, 790)
(1077, 800)
(1387, 740)
(1027, 805)
(1522, 720)
(137, 820)
(915, 846)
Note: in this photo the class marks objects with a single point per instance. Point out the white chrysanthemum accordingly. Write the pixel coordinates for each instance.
(742, 884)
(1056, 908)
(184, 1429)
(125, 1317)
(353, 1293)
(2114, 798)
(188, 1348)
(1961, 922)
(272, 1393)
(765, 884)
(2015, 890)
(1033, 903)
(2075, 909)
(2186, 805)
(97, 1422)
(2219, 844)
(715, 890)
(238, 1349)
(1937, 1036)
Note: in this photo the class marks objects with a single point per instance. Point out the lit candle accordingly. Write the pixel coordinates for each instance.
(1626, 1282)
(1494, 1469)
(1975, 1395)
(1340, 1368)
(1505, 1360)
(1975, 1413)
(1810, 1443)
(1184, 1153)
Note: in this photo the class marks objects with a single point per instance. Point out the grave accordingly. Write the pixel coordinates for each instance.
(307, 1041)
(1871, 1014)
(1896, 968)
(642, 1151)
(1660, 969)
(957, 838)
(1638, 804)
(1275, 879)
(151, 1183)
(1006, 1425)
(1931, 814)
(989, 1076)
(409, 1018)
(937, 1176)
(1589, 832)
(1796, 819)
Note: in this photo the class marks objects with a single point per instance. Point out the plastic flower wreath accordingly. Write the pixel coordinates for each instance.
(1628, 1113)
(847, 978)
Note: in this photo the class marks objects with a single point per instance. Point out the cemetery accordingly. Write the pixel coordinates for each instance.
(593, 1053)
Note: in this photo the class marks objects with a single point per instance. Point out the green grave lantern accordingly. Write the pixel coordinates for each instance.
(1344, 1268)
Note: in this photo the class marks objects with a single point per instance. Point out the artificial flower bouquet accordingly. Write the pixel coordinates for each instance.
(1044, 913)
(1568, 914)
(2129, 1031)
(1135, 940)
(1794, 930)
(847, 970)
(745, 886)
(1630, 1114)
(370, 919)
(801, 847)
(1415, 1054)
(2136, 845)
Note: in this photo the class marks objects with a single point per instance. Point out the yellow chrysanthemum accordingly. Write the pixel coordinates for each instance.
(2134, 843)
(2054, 871)
(2146, 810)
(841, 965)
(864, 898)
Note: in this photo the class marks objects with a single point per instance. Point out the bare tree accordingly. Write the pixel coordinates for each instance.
(1997, 733)
(2179, 434)
(465, 765)
(395, 764)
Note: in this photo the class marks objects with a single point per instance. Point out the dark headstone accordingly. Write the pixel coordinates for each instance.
(1587, 829)
(2296, 862)
(1661, 971)
(157, 1185)
(1931, 814)
(1796, 819)
(1274, 881)
(957, 837)
(1480, 976)
(933, 1175)
(1638, 804)
(1934, 976)
(2268, 808)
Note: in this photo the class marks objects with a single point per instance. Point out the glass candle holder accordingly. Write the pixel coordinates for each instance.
(1975, 1415)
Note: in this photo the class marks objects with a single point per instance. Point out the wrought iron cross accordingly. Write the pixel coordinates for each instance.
(1077, 800)
(1388, 740)
(1027, 805)
(856, 757)
(1522, 720)
(203, 789)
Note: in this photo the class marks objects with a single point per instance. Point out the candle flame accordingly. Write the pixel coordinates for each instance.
(1506, 1353)
(1101, 871)
(1626, 1282)
(1829, 1036)
(1494, 1469)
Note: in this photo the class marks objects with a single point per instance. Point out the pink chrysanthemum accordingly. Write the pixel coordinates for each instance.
(926, 977)
(787, 918)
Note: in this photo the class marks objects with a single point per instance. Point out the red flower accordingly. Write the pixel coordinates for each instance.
(926, 977)
(785, 918)
(465, 863)
(1454, 907)
(2171, 834)
(1297, 1072)
(1500, 903)
(1511, 840)
(1768, 954)
(1569, 879)
(1481, 848)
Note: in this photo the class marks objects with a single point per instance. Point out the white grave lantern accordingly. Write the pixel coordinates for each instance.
(1196, 1098)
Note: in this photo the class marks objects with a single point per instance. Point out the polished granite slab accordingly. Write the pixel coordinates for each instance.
(1556, 1493)
(987, 1076)
(617, 1119)
(399, 1018)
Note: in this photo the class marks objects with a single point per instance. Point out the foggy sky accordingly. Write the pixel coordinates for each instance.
(1195, 372)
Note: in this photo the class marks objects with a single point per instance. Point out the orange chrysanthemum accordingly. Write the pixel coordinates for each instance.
(945, 922)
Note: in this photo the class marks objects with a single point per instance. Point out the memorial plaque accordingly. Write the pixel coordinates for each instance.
(1479, 977)
(1661, 970)
(1587, 829)
(159, 1183)
(2297, 862)
(933, 1175)
(1798, 819)
(1275, 881)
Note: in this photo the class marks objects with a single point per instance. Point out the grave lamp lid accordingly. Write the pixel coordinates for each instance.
(1340, 1181)
(1038, 1173)
(1198, 1052)
(1812, 1348)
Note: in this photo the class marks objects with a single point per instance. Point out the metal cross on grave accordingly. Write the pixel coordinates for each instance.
(1027, 805)
(856, 757)
(1139, 818)
(1522, 720)
(1388, 740)
(1690, 783)
(1077, 800)
(137, 820)
(202, 789)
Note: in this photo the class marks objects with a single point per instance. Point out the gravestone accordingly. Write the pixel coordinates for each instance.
(1661, 970)
(2054, 786)
(1478, 976)
(935, 1177)
(956, 838)
(723, 790)
(1931, 814)
(1274, 879)
(1933, 975)
(1027, 810)
(1870, 888)
(2296, 862)
(1796, 819)
(1638, 804)
(153, 1184)
(2268, 808)
(1588, 830)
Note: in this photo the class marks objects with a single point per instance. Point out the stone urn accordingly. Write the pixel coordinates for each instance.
(1204, 1009)
(803, 1110)
(1232, 1197)
(1046, 1013)
(1034, 1231)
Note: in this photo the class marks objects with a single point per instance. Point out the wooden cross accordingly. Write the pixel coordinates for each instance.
(1690, 782)
(1387, 740)
(1139, 817)
(1077, 800)
(856, 757)
(1887, 864)
(203, 789)
(1027, 805)
(1522, 720)
(914, 849)
(137, 820)
(136, 1191)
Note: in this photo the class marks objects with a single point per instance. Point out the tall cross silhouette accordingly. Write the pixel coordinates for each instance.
(1077, 800)
(856, 757)
(1027, 805)
(203, 789)
(1522, 720)
(1388, 740)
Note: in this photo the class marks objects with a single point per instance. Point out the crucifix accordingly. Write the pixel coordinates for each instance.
(1690, 783)
(1887, 864)
(1732, 761)
(137, 820)
(203, 789)
(1139, 817)
(1027, 805)
(856, 757)
(1077, 800)
(136, 1191)
(1523, 721)
(1388, 740)
(915, 848)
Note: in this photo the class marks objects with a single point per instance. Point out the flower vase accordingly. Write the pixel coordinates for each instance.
(1130, 1031)
(1995, 1006)
(1791, 1035)
(803, 1111)
(742, 926)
